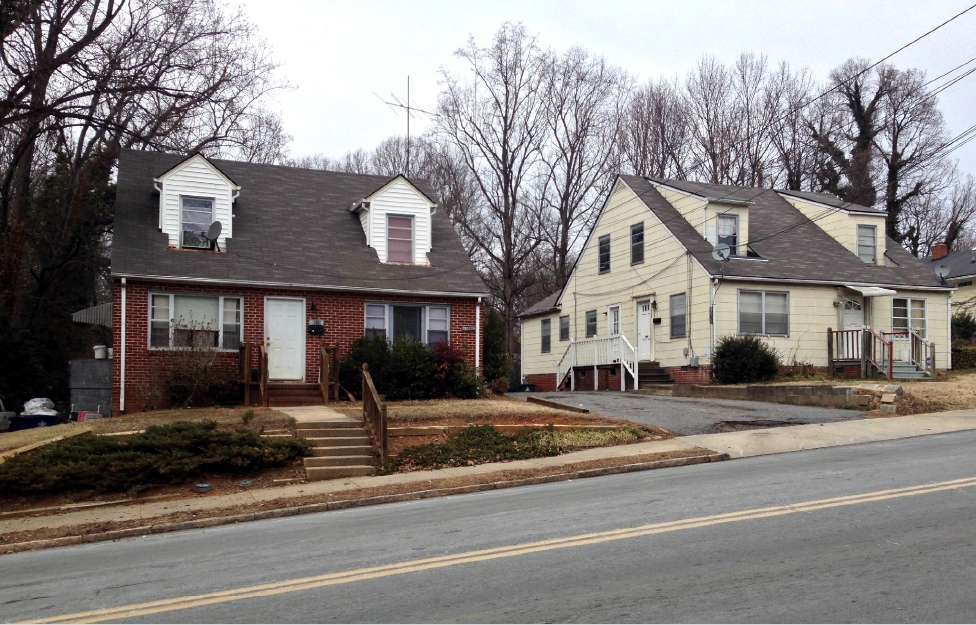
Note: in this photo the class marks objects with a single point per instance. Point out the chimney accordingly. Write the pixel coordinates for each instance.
(939, 251)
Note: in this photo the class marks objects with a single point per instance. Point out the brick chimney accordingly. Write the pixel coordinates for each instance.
(939, 251)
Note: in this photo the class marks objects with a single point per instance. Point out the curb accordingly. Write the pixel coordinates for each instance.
(161, 528)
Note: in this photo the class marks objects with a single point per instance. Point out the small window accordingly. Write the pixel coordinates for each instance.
(637, 243)
(728, 232)
(564, 328)
(867, 244)
(613, 320)
(604, 253)
(159, 321)
(765, 313)
(399, 240)
(678, 311)
(437, 325)
(908, 312)
(231, 323)
(375, 320)
(546, 336)
(196, 215)
(966, 283)
(590, 323)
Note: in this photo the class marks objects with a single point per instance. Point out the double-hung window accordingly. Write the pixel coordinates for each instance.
(399, 239)
(196, 215)
(546, 336)
(637, 243)
(590, 323)
(425, 324)
(195, 321)
(564, 328)
(867, 244)
(764, 312)
(908, 312)
(728, 232)
(678, 310)
(604, 245)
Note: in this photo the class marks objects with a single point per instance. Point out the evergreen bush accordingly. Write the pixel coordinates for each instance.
(496, 363)
(741, 359)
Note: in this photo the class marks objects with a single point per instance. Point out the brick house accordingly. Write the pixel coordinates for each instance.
(303, 258)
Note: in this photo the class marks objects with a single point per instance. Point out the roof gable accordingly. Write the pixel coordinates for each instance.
(197, 157)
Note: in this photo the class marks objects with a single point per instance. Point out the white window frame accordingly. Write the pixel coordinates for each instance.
(367, 317)
(172, 325)
(413, 238)
(671, 316)
(733, 249)
(738, 313)
(599, 253)
(424, 317)
(874, 246)
(611, 321)
(586, 324)
(213, 217)
(545, 332)
(566, 317)
(633, 245)
(908, 302)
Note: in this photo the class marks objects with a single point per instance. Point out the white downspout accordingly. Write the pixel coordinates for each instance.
(122, 359)
(477, 337)
(712, 314)
(948, 335)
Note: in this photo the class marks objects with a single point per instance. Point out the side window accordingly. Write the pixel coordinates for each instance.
(590, 323)
(867, 244)
(728, 232)
(604, 253)
(637, 243)
(677, 310)
(196, 215)
(159, 321)
(546, 336)
(375, 320)
(437, 325)
(564, 328)
(231, 323)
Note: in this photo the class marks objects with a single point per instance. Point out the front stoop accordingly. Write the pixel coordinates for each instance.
(339, 449)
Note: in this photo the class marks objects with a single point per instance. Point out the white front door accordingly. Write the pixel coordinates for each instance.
(644, 343)
(853, 320)
(284, 338)
(613, 320)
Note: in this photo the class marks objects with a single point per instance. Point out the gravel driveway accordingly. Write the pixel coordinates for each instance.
(687, 415)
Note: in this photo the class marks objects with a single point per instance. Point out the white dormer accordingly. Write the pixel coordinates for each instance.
(193, 195)
(396, 220)
(861, 230)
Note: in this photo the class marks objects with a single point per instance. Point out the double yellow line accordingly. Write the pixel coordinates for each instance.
(411, 566)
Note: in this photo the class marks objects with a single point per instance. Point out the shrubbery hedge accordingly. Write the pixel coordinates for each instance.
(478, 444)
(741, 359)
(964, 358)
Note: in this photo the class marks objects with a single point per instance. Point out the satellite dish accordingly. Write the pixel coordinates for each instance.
(212, 233)
(721, 252)
(942, 270)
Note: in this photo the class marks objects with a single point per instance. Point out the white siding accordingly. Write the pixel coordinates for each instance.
(195, 178)
(364, 221)
(399, 198)
(841, 225)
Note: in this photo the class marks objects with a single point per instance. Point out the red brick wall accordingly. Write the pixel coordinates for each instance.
(544, 382)
(688, 375)
(342, 313)
(608, 378)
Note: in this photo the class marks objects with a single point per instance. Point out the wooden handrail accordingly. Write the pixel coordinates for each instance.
(263, 374)
(245, 357)
(884, 360)
(374, 415)
(324, 373)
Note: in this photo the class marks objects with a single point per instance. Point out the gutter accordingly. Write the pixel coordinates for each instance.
(122, 359)
(833, 283)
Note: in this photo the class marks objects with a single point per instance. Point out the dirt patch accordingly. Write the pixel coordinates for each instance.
(395, 489)
(952, 391)
(739, 426)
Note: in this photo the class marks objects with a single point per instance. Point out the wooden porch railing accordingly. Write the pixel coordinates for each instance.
(879, 353)
(329, 373)
(245, 362)
(263, 374)
(374, 415)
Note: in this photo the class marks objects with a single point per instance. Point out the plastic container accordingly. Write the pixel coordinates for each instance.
(101, 352)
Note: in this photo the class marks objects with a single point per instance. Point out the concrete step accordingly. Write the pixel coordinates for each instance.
(339, 461)
(655, 389)
(909, 375)
(339, 441)
(293, 402)
(654, 377)
(329, 432)
(345, 450)
(331, 473)
(348, 423)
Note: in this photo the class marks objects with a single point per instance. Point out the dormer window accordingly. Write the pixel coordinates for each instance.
(399, 239)
(196, 215)
(728, 232)
(867, 244)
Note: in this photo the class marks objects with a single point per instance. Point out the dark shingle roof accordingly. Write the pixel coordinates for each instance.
(961, 263)
(790, 246)
(830, 200)
(291, 227)
(544, 306)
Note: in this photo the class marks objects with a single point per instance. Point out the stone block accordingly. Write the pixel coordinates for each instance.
(889, 398)
(889, 408)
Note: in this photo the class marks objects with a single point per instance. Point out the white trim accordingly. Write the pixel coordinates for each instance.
(832, 283)
(213, 215)
(424, 319)
(294, 285)
(179, 166)
(610, 320)
(413, 239)
(866, 213)
(303, 332)
(738, 313)
(708, 200)
(909, 299)
(172, 311)
(477, 335)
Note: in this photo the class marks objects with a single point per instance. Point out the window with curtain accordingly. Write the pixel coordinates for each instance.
(546, 336)
(728, 232)
(867, 244)
(590, 323)
(399, 239)
(637, 243)
(604, 244)
(908, 312)
(764, 312)
(678, 310)
(197, 321)
(564, 328)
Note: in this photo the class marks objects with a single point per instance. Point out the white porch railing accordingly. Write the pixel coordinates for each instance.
(595, 352)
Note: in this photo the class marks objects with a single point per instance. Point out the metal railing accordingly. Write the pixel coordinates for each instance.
(374, 415)
(596, 352)
(920, 353)
(880, 353)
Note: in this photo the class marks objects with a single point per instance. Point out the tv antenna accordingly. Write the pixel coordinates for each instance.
(213, 232)
(942, 270)
(721, 252)
(412, 109)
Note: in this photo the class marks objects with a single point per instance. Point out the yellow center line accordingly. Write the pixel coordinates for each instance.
(482, 555)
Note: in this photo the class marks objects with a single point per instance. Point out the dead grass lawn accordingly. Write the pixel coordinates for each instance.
(953, 391)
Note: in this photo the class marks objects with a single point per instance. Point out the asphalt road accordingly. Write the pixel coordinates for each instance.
(903, 556)
(688, 415)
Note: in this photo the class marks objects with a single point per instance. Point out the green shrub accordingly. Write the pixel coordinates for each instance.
(963, 325)
(165, 454)
(741, 359)
(496, 363)
(478, 444)
(372, 351)
(964, 358)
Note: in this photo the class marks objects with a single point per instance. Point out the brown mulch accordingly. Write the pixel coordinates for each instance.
(395, 489)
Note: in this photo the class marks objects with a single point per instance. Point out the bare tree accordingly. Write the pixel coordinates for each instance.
(790, 94)
(496, 121)
(709, 89)
(654, 133)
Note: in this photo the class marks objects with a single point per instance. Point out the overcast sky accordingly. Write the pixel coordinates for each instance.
(337, 54)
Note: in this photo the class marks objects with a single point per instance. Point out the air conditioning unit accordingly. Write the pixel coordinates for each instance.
(195, 239)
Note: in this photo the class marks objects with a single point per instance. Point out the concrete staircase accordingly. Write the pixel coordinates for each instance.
(651, 375)
(284, 394)
(340, 448)
(905, 371)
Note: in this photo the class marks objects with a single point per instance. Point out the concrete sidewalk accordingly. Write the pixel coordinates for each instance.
(736, 444)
